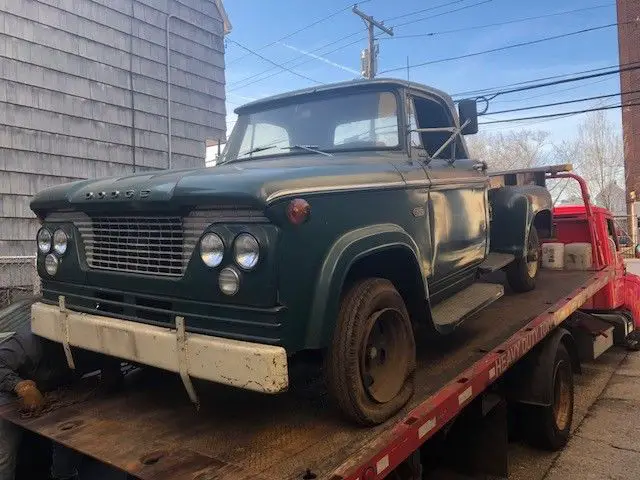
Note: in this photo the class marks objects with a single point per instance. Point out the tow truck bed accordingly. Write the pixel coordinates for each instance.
(152, 431)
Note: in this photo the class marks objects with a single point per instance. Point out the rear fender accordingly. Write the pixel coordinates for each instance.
(529, 381)
(513, 212)
(345, 252)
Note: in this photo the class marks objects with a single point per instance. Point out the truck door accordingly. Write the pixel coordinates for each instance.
(458, 205)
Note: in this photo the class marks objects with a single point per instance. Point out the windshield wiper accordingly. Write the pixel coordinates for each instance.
(308, 148)
(243, 156)
(256, 149)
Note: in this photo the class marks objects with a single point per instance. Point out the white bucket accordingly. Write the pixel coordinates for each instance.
(553, 256)
(578, 256)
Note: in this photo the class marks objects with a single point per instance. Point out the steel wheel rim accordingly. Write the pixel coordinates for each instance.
(384, 356)
(561, 396)
(533, 257)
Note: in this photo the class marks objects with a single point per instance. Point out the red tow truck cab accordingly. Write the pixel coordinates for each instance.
(595, 225)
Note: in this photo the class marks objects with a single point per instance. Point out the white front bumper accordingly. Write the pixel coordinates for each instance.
(251, 366)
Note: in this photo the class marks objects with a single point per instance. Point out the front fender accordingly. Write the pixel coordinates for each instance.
(632, 297)
(514, 209)
(344, 253)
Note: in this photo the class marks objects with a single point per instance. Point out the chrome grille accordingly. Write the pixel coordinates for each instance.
(151, 245)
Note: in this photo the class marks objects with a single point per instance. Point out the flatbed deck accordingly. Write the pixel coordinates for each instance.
(152, 431)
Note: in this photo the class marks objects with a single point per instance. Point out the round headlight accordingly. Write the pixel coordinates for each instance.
(246, 251)
(44, 240)
(229, 281)
(211, 250)
(51, 264)
(60, 241)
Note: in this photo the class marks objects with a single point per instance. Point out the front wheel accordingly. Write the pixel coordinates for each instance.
(370, 364)
(522, 272)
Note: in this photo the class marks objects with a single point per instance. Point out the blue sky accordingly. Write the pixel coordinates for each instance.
(256, 24)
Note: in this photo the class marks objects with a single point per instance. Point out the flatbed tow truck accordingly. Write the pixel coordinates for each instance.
(514, 359)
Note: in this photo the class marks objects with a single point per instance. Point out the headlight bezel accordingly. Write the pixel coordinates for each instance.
(44, 230)
(54, 247)
(56, 263)
(215, 237)
(251, 265)
(236, 276)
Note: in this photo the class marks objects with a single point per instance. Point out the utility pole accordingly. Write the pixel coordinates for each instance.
(370, 55)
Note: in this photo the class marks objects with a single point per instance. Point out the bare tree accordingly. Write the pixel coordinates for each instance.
(511, 150)
(597, 155)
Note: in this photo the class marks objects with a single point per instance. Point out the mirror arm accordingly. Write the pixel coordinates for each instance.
(455, 132)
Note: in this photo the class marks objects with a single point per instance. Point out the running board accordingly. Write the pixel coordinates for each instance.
(495, 261)
(449, 313)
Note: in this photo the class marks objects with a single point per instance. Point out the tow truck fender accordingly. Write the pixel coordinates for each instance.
(632, 297)
(529, 381)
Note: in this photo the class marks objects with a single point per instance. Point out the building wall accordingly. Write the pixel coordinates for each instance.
(629, 47)
(83, 94)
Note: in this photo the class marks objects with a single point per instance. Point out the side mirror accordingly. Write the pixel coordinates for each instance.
(468, 110)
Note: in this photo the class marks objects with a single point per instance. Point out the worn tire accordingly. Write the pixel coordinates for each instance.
(343, 368)
(542, 427)
(518, 272)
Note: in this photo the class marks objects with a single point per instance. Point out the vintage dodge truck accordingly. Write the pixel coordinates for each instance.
(338, 220)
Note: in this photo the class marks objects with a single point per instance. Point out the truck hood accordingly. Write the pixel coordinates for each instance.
(254, 183)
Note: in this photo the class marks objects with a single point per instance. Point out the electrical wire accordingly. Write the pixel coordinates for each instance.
(499, 24)
(252, 78)
(506, 47)
(287, 69)
(562, 114)
(465, 7)
(628, 67)
(300, 30)
(566, 102)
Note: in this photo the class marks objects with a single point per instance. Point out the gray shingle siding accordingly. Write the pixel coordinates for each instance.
(76, 75)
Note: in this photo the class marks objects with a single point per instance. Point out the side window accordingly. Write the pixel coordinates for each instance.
(613, 237)
(431, 113)
(262, 135)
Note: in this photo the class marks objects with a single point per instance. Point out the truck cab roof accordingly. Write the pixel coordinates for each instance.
(390, 83)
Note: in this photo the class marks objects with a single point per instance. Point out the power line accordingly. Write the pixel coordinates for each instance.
(506, 47)
(629, 67)
(252, 78)
(555, 115)
(565, 102)
(499, 24)
(465, 7)
(261, 79)
(300, 30)
(553, 92)
(274, 63)
(489, 90)
(416, 12)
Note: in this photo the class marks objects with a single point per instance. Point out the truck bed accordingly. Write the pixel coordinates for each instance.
(152, 431)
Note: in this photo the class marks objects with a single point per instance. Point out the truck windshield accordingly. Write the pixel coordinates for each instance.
(357, 121)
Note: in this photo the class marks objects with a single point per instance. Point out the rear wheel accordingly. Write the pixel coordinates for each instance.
(522, 272)
(548, 426)
(370, 363)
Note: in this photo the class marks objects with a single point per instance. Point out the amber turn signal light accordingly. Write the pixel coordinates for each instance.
(298, 211)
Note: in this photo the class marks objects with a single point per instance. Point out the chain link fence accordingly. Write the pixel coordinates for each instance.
(18, 279)
(625, 237)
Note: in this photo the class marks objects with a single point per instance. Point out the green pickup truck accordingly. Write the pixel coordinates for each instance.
(338, 219)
